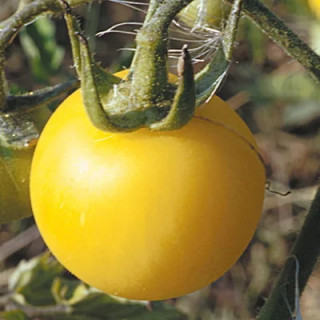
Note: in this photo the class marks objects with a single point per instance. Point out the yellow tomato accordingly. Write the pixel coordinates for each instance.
(315, 7)
(14, 172)
(210, 13)
(147, 215)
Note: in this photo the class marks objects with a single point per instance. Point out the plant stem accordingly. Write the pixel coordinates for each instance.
(27, 13)
(256, 11)
(149, 66)
(153, 6)
(306, 250)
(28, 10)
(276, 29)
(47, 311)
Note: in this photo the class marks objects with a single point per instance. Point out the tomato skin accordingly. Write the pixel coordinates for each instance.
(215, 13)
(147, 215)
(14, 175)
(315, 7)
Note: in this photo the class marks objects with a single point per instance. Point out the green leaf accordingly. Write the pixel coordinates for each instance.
(66, 291)
(39, 44)
(160, 315)
(72, 317)
(41, 289)
(13, 315)
(33, 280)
(17, 131)
(101, 305)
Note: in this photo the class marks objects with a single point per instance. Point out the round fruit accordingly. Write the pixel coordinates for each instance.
(14, 175)
(147, 215)
(206, 13)
(315, 7)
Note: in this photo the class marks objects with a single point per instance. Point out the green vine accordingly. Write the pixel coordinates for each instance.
(281, 34)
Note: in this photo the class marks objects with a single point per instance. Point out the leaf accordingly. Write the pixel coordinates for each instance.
(72, 317)
(13, 315)
(303, 117)
(41, 290)
(102, 306)
(39, 44)
(17, 131)
(33, 280)
(66, 291)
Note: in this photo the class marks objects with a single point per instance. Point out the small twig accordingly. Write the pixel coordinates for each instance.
(238, 100)
(18, 242)
(282, 194)
(49, 311)
(305, 195)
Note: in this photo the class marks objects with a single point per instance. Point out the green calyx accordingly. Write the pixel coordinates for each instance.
(147, 98)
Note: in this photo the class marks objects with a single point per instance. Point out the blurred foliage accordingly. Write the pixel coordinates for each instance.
(39, 44)
(41, 282)
(278, 100)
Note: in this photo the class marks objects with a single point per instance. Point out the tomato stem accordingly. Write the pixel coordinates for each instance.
(277, 30)
(254, 9)
(33, 100)
(299, 266)
(147, 99)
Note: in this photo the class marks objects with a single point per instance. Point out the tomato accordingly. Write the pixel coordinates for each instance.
(147, 215)
(315, 7)
(212, 15)
(14, 174)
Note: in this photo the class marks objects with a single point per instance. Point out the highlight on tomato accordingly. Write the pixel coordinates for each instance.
(147, 215)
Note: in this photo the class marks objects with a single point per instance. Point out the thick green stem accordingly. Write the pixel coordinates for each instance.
(153, 6)
(276, 29)
(149, 69)
(306, 250)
